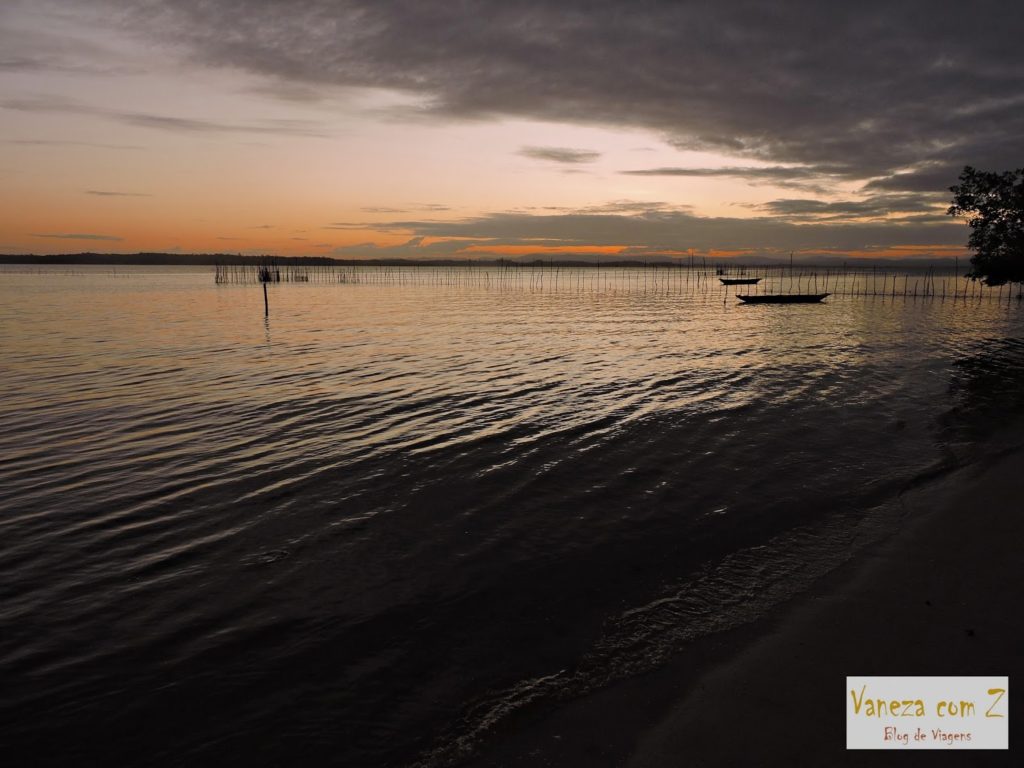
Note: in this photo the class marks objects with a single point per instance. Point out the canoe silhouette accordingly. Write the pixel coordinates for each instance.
(740, 280)
(782, 298)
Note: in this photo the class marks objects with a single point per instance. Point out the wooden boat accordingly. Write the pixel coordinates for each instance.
(740, 280)
(782, 298)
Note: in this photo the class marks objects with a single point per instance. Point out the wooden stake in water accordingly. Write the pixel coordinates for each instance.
(264, 274)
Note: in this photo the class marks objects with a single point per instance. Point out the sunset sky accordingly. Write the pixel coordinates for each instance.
(472, 129)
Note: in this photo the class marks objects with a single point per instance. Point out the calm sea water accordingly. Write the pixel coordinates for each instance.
(367, 529)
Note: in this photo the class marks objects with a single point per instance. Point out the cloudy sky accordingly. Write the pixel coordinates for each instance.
(426, 129)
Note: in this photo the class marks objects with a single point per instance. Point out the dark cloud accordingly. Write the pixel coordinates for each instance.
(923, 218)
(929, 178)
(663, 229)
(35, 63)
(426, 207)
(798, 177)
(53, 143)
(63, 236)
(560, 154)
(192, 125)
(25, 49)
(808, 178)
(871, 90)
(18, 63)
(355, 248)
(627, 207)
(772, 173)
(354, 225)
(877, 206)
(164, 122)
(289, 92)
(107, 193)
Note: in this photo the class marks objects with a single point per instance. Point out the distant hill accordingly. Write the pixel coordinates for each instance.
(161, 259)
(210, 259)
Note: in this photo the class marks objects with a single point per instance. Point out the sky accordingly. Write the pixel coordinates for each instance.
(420, 129)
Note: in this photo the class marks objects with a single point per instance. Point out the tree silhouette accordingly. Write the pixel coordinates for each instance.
(994, 206)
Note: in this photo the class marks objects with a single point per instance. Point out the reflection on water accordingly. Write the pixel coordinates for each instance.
(987, 387)
(393, 511)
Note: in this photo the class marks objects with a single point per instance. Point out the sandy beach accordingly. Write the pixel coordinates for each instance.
(939, 597)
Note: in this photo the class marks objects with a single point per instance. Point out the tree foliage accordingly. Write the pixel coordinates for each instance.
(994, 206)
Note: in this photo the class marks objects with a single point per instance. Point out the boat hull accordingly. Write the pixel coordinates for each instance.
(782, 298)
(740, 280)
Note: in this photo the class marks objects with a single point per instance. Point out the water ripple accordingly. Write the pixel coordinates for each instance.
(396, 512)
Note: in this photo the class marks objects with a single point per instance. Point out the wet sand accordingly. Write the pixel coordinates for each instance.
(942, 596)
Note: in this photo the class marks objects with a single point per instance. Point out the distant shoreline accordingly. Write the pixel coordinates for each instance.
(232, 259)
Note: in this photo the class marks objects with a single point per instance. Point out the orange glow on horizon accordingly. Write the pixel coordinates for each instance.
(554, 250)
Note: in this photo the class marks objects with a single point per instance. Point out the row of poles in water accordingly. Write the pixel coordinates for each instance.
(645, 278)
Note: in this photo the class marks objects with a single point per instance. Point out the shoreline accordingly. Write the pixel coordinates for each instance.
(937, 597)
